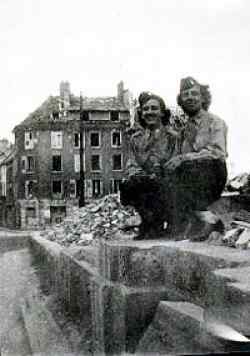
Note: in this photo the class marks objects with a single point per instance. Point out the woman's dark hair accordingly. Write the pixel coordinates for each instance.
(206, 97)
(143, 98)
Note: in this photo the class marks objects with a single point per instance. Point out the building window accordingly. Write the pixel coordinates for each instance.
(117, 162)
(57, 187)
(95, 139)
(3, 179)
(72, 188)
(114, 115)
(96, 187)
(116, 138)
(29, 188)
(100, 115)
(95, 162)
(77, 140)
(30, 213)
(85, 115)
(10, 189)
(77, 162)
(30, 163)
(55, 115)
(115, 185)
(56, 139)
(57, 163)
(23, 163)
(29, 140)
(88, 188)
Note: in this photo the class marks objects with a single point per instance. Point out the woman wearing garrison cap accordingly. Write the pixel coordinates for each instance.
(196, 176)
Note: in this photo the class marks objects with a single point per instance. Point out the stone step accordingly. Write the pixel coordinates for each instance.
(45, 336)
(178, 328)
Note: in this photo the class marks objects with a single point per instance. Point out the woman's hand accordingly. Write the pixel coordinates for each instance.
(173, 163)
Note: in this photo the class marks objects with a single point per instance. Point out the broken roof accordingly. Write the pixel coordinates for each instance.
(8, 155)
(54, 105)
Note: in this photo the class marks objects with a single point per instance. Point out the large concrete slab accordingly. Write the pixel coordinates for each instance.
(115, 256)
(183, 266)
(177, 329)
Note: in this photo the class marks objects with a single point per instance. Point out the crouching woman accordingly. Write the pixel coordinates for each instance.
(151, 148)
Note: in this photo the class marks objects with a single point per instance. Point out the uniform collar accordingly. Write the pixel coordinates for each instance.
(198, 117)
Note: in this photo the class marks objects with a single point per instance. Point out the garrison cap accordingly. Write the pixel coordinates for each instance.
(187, 83)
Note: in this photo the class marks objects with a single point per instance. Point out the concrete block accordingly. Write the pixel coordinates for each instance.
(76, 280)
(118, 295)
(118, 258)
(47, 259)
(182, 266)
(237, 278)
(45, 337)
(236, 316)
(244, 239)
(108, 318)
(177, 328)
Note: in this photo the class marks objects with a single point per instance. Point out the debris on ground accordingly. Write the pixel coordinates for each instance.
(104, 218)
(231, 236)
(240, 183)
(108, 219)
(244, 240)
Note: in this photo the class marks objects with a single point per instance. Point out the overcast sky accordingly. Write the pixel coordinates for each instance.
(150, 44)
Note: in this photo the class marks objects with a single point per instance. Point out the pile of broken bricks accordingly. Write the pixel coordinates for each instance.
(239, 235)
(106, 218)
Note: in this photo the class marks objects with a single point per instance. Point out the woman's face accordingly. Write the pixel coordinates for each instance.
(152, 113)
(191, 100)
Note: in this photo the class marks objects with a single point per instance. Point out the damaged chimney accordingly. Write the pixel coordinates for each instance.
(120, 91)
(65, 94)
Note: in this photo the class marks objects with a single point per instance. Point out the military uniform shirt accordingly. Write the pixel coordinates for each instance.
(151, 149)
(205, 133)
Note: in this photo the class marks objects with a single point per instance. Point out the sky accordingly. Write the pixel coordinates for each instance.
(149, 44)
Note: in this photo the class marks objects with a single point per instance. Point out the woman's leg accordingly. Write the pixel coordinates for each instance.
(192, 186)
(145, 194)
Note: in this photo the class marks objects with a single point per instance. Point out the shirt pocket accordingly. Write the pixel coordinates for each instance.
(202, 139)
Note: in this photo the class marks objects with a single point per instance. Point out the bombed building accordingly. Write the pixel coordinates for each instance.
(48, 153)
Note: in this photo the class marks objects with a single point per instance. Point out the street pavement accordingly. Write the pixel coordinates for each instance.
(17, 277)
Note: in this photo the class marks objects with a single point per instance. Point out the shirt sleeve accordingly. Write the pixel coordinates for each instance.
(132, 165)
(217, 143)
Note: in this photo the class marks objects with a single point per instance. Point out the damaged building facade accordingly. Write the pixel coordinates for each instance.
(8, 172)
(47, 146)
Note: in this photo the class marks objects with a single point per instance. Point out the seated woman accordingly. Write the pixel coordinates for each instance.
(174, 175)
(196, 176)
(152, 145)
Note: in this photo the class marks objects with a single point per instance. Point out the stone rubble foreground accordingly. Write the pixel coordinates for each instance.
(104, 218)
(108, 219)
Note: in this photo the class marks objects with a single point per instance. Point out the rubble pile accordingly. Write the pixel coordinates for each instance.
(240, 183)
(104, 218)
(238, 236)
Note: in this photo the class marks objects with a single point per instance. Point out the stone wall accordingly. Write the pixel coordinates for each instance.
(116, 296)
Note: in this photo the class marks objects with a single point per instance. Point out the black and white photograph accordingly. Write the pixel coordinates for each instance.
(124, 177)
